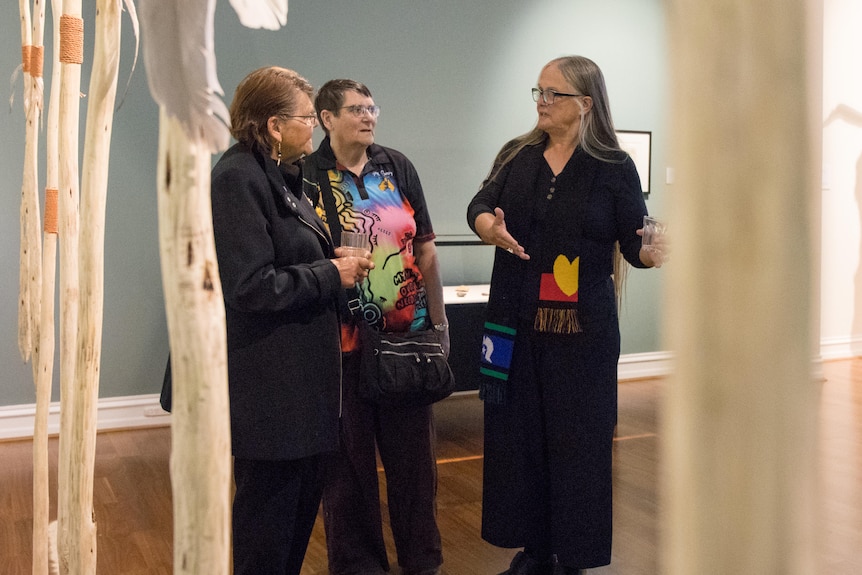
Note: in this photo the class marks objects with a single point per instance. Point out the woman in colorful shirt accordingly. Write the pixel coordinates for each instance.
(375, 191)
(563, 204)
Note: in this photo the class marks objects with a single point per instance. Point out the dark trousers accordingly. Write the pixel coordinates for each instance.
(547, 477)
(351, 499)
(274, 509)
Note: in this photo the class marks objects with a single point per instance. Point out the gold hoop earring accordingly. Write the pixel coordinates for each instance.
(278, 162)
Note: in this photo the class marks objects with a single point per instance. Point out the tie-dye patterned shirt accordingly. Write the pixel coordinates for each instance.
(386, 203)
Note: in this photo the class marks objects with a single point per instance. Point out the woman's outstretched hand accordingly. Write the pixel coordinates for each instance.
(492, 230)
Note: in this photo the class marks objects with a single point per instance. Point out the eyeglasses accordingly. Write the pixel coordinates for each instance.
(549, 95)
(310, 120)
(359, 111)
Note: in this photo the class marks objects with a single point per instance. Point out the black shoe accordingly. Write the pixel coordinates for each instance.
(523, 564)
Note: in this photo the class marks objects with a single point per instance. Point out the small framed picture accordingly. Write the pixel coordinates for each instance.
(638, 145)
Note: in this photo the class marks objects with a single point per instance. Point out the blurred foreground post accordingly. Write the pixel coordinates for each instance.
(740, 417)
(200, 427)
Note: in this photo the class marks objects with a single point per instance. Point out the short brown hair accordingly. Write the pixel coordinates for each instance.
(331, 96)
(264, 93)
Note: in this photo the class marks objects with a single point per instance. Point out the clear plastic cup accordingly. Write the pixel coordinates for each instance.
(652, 229)
(354, 244)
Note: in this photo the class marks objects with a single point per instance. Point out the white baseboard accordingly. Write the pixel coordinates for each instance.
(641, 365)
(16, 421)
(840, 347)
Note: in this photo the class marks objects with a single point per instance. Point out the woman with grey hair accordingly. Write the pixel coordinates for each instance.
(563, 204)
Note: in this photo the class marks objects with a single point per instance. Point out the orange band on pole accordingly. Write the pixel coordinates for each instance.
(25, 58)
(51, 211)
(71, 40)
(37, 55)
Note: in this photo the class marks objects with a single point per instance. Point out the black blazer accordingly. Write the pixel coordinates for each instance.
(281, 293)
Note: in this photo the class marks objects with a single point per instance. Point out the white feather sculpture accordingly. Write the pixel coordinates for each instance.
(268, 14)
(180, 60)
(177, 39)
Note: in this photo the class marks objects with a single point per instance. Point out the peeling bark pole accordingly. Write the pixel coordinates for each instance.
(45, 372)
(31, 200)
(30, 275)
(71, 58)
(200, 454)
(94, 186)
(29, 186)
(42, 304)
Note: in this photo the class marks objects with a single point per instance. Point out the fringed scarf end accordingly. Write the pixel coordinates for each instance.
(556, 320)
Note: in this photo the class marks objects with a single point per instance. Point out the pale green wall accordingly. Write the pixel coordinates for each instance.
(453, 79)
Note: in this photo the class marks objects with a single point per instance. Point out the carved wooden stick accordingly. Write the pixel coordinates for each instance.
(45, 372)
(191, 129)
(94, 185)
(41, 497)
(71, 58)
(29, 292)
(42, 335)
(200, 453)
(24, 343)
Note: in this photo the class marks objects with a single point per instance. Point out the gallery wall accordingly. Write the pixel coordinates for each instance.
(841, 276)
(453, 80)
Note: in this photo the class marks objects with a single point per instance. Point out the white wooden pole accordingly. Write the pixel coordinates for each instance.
(71, 58)
(94, 187)
(28, 185)
(45, 373)
(740, 417)
(42, 332)
(200, 453)
(33, 212)
(41, 492)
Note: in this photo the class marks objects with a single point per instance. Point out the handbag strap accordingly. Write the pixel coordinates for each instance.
(354, 301)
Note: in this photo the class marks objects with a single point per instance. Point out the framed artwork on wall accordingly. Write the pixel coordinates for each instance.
(638, 145)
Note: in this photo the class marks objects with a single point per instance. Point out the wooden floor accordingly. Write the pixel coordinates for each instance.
(133, 497)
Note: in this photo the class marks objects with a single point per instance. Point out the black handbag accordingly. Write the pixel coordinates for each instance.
(407, 369)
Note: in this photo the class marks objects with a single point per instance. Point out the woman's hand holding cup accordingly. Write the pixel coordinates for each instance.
(655, 247)
(354, 258)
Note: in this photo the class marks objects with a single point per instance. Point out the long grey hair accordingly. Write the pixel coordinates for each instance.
(596, 136)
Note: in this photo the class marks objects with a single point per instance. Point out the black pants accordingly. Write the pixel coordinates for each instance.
(351, 500)
(274, 509)
(547, 477)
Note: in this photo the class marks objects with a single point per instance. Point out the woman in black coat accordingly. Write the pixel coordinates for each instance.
(282, 282)
(564, 205)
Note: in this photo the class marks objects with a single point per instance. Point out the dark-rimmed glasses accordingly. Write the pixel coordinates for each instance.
(549, 95)
(310, 120)
(359, 111)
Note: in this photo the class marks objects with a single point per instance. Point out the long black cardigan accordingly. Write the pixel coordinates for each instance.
(594, 204)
